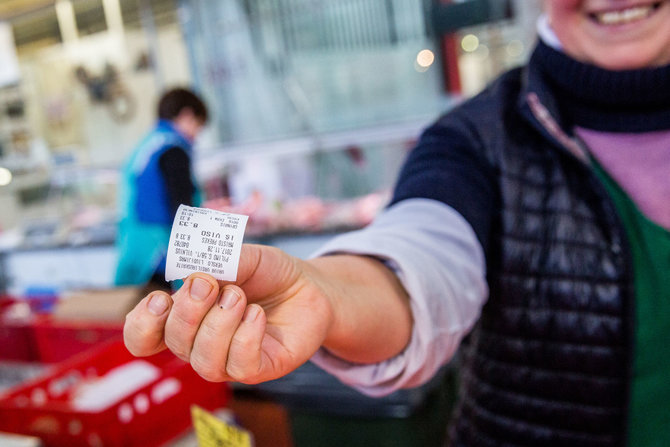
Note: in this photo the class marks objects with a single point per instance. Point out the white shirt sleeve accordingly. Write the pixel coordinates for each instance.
(440, 262)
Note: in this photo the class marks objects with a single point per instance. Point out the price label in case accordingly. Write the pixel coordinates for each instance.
(204, 240)
(212, 431)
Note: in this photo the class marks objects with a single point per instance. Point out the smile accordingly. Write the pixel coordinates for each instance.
(627, 15)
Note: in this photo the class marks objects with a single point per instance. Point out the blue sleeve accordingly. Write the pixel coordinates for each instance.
(448, 165)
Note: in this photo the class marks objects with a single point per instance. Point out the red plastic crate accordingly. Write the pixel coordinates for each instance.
(149, 415)
(17, 338)
(5, 302)
(17, 341)
(58, 340)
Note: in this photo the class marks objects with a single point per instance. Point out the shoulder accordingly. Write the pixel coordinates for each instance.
(480, 124)
(495, 102)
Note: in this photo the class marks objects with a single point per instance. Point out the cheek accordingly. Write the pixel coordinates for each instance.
(562, 12)
(564, 18)
(194, 129)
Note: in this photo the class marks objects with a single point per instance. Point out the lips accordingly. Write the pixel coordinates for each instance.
(625, 15)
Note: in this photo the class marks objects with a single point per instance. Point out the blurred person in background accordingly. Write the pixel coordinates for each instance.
(156, 179)
(529, 232)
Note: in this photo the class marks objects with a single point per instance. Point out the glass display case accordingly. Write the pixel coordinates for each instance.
(305, 185)
(298, 193)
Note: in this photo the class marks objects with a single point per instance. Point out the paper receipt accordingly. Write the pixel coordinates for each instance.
(204, 240)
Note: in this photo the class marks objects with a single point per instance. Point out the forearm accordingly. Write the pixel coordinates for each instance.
(440, 263)
(371, 318)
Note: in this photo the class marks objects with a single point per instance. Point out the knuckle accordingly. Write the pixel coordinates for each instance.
(206, 369)
(241, 374)
(211, 330)
(236, 373)
(185, 317)
(137, 348)
(244, 341)
(131, 319)
(140, 331)
(132, 346)
(135, 339)
(242, 370)
(178, 349)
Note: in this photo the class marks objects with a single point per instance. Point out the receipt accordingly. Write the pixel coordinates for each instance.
(204, 240)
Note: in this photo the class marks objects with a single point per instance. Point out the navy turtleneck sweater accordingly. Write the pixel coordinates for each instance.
(623, 117)
(606, 100)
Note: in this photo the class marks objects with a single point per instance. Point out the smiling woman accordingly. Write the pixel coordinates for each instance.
(613, 34)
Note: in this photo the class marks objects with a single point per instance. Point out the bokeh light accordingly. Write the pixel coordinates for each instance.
(514, 48)
(5, 176)
(425, 58)
(469, 43)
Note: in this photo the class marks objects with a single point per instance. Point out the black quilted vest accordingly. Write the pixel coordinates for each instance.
(549, 362)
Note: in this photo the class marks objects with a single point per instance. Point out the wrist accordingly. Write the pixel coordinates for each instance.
(370, 318)
(325, 303)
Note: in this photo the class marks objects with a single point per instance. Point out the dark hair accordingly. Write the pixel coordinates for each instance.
(174, 101)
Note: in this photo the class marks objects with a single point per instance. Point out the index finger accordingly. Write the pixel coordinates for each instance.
(145, 324)
(191, 303)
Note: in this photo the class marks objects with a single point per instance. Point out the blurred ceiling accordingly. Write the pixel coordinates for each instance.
(35, 21)
(10, 9)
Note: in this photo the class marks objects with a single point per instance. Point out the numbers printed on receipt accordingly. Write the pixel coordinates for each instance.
(204, 240)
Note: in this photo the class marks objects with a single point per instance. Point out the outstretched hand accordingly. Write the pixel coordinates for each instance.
(266, 324)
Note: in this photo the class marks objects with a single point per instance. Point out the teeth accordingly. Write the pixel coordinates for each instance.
(624, 16)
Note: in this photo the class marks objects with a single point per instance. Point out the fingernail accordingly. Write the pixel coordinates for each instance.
(251, 314)
(229, 298)
(157, 304)
(200, 289)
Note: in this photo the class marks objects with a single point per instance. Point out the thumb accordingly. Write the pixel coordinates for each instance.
(265, 270)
